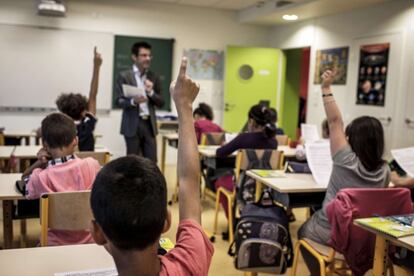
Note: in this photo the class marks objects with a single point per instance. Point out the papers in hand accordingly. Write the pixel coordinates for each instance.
(309, 132)
(90, 272)
(132, 91)
(319, 159)
(405, 158)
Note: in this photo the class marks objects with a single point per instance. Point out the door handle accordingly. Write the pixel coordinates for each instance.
(385, 119)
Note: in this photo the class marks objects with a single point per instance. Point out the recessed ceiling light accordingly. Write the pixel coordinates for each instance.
(290, 17)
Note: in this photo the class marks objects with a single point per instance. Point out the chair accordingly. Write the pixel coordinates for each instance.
(282, 140)
(242, 163)
(363, 203)
(101, 157)
(212, 138)
(64, 211)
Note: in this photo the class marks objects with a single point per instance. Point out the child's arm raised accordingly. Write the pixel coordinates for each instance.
(183, 92)
(97, 62)
(333, 114)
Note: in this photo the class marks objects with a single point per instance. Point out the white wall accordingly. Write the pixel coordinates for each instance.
(191, 27)
(394, 17)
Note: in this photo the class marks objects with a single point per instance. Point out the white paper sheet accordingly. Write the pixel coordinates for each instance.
(132, 91)
(230, 136)
(309, 132)
(90, 272)
(405, 158)
(319, 159)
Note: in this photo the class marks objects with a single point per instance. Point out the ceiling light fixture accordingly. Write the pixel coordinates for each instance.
(290, 17)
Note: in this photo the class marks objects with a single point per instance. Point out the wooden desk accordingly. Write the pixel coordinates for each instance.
(29, 152)
(288, 152)
(26, 135)
(6, 151)
(382, 242)
(172, 140)
(8, 193)
(302, 189)
(208, 155)
(167, 125)
(54, 259)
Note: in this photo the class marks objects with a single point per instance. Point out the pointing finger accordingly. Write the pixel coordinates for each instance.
(183, 67)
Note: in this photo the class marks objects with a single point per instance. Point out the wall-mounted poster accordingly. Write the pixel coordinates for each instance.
(204, 64)
(330, 59)
(373, 69)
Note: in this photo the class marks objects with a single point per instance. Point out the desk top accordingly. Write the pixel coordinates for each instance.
(53, 259)
(170, 136)
(19, 133)
(291, 183)
(407, 242)
(7, 186)
(29, 151)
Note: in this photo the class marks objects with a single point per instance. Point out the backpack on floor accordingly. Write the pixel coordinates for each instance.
(262, 240)
(246, 187)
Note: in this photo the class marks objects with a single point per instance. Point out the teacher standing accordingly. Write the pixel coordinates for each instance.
(139, 123)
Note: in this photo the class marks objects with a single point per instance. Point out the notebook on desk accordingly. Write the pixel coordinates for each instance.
(269, 173)
(395, 226)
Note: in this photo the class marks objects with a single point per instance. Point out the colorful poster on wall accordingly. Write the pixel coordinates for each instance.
(330, 59)
(204, 64)
(373, 69)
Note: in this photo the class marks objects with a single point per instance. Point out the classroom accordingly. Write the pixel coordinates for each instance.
(216, 137)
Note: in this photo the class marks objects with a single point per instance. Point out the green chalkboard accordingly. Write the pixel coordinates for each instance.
(162, 51)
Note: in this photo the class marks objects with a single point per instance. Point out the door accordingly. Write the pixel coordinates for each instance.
(383, 113)
(251, 75)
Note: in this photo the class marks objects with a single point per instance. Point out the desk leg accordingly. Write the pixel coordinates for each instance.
(27, 141)
(7, 224)
(381, 256)
(163, 148)
(258, 191)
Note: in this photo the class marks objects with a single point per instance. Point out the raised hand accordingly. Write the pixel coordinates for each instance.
(328, 77)
(184, 90)
(97, 58)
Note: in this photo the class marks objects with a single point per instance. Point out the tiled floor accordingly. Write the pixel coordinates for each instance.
(222, 264)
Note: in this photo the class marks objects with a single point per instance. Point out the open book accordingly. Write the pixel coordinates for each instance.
(395, 226)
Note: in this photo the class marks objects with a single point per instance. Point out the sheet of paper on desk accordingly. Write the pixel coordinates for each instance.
(405, 158)
(309, 132)
(230, 136)
(90, 272)
(132, 91)
(319, 159)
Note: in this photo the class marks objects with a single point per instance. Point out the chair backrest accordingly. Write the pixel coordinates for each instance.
(356, 203)
(101, 157)
(282, 140)
(242, 160)
(212, 138)
(64, 211)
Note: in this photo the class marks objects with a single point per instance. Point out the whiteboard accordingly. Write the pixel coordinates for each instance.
(38, 64)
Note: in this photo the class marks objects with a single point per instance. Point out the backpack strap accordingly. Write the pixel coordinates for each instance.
(267, 155)
(251, 156)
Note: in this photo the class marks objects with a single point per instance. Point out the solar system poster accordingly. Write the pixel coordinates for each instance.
(372, 75)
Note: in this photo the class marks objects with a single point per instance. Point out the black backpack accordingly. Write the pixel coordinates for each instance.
(246, 187)
(262, 240)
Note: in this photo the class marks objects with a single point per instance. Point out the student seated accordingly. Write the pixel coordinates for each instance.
(357, 163)
(203, 121)
(261, 132)
(129, 204)
(58, 170)
(82, 110)
(273, 112)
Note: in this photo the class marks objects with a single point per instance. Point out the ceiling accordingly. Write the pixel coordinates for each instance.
(270, 12)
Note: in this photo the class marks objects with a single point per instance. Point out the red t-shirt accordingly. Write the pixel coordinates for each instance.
(205, 126)
(192, 253)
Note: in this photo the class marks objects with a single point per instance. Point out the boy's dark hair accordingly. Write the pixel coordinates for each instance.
(138, 45)
(366, 138)
(129, 202)
(58, 130)
(263, 116)
(72, 105)
(204, 110)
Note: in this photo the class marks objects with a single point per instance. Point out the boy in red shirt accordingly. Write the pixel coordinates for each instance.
(129, 203)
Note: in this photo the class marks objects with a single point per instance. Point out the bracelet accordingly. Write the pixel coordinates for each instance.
(327, 95)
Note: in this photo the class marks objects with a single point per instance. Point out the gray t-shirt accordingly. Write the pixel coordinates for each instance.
(347, 172)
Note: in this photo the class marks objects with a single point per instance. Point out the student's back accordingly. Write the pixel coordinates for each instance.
(260, 135)
(203, 116)
(59, 170)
